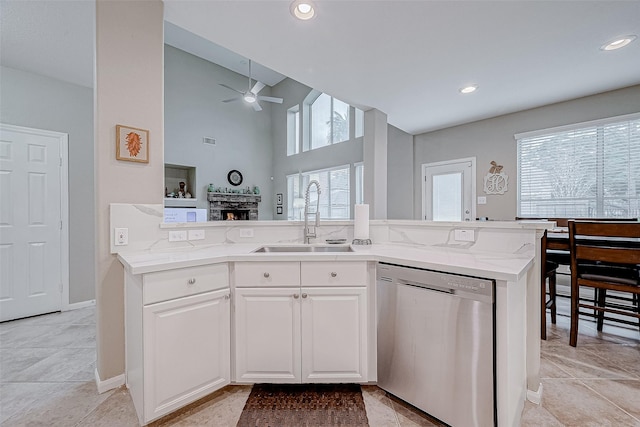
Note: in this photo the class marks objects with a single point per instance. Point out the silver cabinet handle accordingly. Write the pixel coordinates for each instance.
(296, 296)
(334, 274)
(304, 295)
(191, 281)
(266, 275)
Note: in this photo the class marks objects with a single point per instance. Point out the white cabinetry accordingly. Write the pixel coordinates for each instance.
(301, 322)
(267, 335)
(334, 334)
(177, 337)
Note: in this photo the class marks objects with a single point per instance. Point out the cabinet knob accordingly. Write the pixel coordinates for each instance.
(334, 274)
(227, 296)
(296, 296)
(304, 295)
(266, 275)
(191, 281)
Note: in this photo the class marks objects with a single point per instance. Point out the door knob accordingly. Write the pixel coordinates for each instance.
(266, 275)
(334, 274)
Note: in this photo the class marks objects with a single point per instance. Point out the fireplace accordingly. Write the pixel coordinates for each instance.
(235, 215)
(233, 206)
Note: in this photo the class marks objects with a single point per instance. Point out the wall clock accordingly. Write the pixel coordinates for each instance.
(234, 177)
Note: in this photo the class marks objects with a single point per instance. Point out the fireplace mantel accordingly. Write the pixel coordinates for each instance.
(244, 203)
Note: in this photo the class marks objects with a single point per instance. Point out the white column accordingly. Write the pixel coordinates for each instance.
(375, 163)
(128, 90)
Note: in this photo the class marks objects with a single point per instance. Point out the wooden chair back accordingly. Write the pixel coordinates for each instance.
(612, 247)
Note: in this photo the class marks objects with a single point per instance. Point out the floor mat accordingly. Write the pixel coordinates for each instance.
(311, 405)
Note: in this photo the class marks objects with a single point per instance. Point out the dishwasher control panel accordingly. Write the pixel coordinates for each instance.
(436, 280)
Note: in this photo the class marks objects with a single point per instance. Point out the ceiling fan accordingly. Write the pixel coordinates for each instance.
(251, 95)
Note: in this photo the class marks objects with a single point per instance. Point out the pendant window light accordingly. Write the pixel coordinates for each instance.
(303, 9)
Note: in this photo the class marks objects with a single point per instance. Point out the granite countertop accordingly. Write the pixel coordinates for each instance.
(492, 265)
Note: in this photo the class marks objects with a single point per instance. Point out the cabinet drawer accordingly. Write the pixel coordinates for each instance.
(166, 285)
(267, 274)
(321, 273)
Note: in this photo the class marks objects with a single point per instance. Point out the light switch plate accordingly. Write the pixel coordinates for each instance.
(196, 234)
(121, 236)
(464, 235)
(482, 200)
(177, 235)
(246, 232)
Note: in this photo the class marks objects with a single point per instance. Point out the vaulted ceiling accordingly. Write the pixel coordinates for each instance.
(405, 58)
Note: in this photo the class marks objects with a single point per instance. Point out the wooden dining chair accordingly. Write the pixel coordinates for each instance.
(549, 273)
(604, 256)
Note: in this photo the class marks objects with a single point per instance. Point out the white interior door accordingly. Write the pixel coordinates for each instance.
(30, 221)
(448, 190)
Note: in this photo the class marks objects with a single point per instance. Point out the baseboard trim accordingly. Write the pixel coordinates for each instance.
(535, 396)
(108, 384)
(78, 305)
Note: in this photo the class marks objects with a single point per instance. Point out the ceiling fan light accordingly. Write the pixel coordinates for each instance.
(250, 98)
(618, 43)
(468, 89)
(303, 9)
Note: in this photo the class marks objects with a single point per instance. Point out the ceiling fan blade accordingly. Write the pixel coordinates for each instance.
(231, 99)
(257, 87)
(256, 106)
(229, 87)
(270, 99)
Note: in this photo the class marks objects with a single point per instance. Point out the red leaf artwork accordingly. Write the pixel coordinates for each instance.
(134, 143)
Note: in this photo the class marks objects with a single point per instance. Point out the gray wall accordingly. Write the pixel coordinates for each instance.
(194, 109)
(255, 143)
(41, 102)
(347, 152)
(399, 174)
(493, 139)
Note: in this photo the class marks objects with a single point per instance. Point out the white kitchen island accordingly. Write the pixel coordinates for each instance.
(506, 253)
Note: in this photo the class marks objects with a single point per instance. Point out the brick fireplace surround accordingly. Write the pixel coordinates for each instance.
(224, 206)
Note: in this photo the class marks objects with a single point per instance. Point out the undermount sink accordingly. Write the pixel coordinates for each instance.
(299, 248)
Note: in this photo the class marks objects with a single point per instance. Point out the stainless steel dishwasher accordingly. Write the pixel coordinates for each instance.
(436, 346)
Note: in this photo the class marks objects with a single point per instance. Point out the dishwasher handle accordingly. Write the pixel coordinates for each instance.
(426, 286)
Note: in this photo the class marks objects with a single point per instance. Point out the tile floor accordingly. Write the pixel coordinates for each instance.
(47, 378)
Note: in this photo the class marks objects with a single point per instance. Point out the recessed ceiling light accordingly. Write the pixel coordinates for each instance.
(303, 9)
(618, 43)
(468, 89)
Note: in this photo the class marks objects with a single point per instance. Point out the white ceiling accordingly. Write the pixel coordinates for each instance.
(405, 58)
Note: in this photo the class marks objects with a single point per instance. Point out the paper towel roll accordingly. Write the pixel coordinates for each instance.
(361, 222)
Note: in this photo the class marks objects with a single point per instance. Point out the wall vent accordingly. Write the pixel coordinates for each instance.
(208, 140)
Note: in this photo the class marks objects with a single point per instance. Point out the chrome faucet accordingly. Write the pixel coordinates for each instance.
(311, 231)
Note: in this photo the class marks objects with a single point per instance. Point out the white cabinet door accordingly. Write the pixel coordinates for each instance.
(267, 325)
(186, 350)
(334, 334)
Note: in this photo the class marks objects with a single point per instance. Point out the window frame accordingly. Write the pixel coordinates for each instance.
(291, 209)
(600, 199)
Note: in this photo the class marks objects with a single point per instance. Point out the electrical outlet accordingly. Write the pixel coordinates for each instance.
(196, 234)
(121, 236)
(246, 232)
(464, 235)
(482, 200)
(178, 235)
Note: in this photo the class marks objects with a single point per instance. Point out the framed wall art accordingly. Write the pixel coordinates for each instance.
(132, 144)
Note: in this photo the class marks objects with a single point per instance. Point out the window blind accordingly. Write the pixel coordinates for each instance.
(586, 172)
